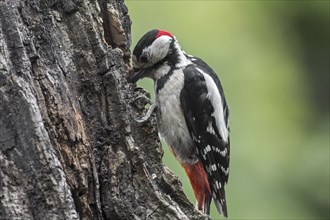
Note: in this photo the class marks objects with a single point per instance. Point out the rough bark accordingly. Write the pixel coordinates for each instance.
(69, 147)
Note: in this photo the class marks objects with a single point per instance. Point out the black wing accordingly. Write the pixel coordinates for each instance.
(213, 150)
(208, 70)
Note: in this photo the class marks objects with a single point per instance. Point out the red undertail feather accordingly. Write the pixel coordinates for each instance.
(200, 184)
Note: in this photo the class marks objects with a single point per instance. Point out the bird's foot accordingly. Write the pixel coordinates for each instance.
(147, 115)
(140, 103)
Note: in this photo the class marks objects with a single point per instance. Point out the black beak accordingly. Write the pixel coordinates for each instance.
(136, 74)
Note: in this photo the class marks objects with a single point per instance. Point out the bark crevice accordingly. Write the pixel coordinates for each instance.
(69, 145)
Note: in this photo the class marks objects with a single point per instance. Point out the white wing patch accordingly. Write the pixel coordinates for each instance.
(215, 98)
(210, 129)
(225, 171)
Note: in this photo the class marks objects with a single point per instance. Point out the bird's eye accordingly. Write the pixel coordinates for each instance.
(144, 58)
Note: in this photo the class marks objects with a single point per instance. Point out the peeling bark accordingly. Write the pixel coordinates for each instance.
(69, 146)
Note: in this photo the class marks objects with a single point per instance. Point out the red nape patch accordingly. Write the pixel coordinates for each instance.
(162, 33)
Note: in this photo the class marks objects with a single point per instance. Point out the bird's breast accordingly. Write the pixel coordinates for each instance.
(170, 118)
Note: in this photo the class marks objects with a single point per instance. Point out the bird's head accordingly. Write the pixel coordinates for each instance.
(151, 51)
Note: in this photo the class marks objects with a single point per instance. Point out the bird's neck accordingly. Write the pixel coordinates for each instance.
(177, 57)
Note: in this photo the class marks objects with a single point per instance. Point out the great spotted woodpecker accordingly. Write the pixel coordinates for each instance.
(192, 113)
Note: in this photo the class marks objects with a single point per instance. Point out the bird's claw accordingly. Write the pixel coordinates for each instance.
(147, 115)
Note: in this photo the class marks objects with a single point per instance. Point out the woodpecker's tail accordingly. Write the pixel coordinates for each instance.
(220, 202)
(207, 202)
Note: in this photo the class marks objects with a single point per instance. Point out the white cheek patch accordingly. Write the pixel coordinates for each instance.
(158, 49)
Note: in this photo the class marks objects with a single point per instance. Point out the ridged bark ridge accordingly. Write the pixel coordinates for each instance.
(69, 146)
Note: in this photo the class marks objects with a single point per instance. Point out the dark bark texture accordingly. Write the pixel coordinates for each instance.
(69, 146)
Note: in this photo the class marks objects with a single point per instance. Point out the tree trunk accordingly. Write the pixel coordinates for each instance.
(69, 145)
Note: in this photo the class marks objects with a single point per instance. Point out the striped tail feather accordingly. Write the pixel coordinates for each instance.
(221, 203)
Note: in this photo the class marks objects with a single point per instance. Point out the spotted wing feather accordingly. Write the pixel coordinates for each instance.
(213, 150)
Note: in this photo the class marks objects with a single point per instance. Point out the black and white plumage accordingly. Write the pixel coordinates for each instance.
(192, 115)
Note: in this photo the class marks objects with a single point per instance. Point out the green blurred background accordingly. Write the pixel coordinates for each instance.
(273, 60)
